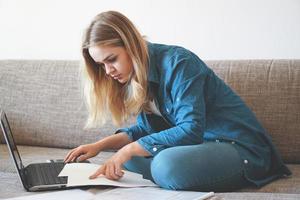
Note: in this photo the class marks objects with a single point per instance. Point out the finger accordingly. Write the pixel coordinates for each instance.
(74, 158)
(82, 158)
(108, 172)
(118, 171)
(68, 155)
(112, 171)
(97, 173)
(101, 170)
(74, 155)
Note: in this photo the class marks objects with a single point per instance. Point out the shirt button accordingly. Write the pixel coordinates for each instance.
(232, 142)
(217, 140)
(178, 99)
(154, 149)
(168, 110)
(246, 161)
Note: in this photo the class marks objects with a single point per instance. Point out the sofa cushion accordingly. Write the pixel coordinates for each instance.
(271, 88)
(43, 102)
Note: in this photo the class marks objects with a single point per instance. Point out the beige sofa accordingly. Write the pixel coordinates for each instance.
(43, 103)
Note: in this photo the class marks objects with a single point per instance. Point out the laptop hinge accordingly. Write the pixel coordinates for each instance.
(25, 176)
(22, 166)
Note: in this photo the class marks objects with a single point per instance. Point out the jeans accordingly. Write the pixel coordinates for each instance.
(210, 166)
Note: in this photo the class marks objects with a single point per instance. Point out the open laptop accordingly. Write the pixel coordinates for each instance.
(35, 176)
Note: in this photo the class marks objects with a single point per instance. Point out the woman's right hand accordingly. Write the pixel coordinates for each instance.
(82, 153)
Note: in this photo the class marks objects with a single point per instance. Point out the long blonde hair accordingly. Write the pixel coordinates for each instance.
(104, 96)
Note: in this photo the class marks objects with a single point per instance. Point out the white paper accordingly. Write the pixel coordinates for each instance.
(145, 193)
(150, 193)
(78, 175)
(74, 194)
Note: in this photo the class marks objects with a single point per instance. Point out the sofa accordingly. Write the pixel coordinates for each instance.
(44, 105)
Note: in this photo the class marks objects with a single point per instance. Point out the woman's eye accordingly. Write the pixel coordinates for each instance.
(112, 59)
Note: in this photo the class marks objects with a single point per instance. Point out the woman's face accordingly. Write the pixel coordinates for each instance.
(114, 60)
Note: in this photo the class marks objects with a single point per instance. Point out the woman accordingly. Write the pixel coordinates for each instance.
(193, 131)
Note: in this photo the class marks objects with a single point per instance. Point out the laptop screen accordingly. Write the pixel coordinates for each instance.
(10, 141)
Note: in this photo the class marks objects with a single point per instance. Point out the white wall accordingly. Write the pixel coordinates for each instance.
(214, 29)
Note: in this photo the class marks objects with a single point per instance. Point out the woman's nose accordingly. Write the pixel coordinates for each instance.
(109, 69)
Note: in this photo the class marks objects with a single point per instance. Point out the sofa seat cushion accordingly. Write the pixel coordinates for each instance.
(286, 188)
(284, 185)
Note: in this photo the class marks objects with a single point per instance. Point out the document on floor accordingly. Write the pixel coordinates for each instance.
(78, 175)
(145, 193)
(150, 193)
(74, 194)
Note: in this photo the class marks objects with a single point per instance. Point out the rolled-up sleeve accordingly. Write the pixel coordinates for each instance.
(187, 107)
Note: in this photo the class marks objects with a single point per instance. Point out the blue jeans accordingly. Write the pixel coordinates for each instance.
(210, 166)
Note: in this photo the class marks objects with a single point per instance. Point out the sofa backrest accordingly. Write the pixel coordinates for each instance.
(43, 102)
(271, 88)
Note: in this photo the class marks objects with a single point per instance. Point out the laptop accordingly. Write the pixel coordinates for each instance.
(35, 176)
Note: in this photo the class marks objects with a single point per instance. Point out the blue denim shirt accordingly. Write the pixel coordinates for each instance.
(197, 106)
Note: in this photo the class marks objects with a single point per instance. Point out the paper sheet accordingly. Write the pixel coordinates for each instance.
(145, 193)
(151, 193)
(78, 175)
(74, 194)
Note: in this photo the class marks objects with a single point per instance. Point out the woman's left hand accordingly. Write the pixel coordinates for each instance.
(112, 168)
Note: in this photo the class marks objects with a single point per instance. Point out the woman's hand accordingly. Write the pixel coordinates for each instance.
(112, 168)
(82, 153)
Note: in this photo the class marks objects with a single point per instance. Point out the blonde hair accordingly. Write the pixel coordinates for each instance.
(104, 96)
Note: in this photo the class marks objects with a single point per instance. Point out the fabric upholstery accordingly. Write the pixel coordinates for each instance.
(43, 103)
(43, 100)
(272, 90)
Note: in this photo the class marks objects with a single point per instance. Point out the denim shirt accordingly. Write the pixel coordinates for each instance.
(196, 107)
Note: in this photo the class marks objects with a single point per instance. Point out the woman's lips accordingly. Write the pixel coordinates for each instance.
(117, 76)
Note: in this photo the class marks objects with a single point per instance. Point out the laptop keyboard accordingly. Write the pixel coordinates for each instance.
(47, 174)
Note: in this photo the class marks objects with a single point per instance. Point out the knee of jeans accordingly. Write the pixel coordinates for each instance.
(126, 165)
(164, 171)
(130, 165)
